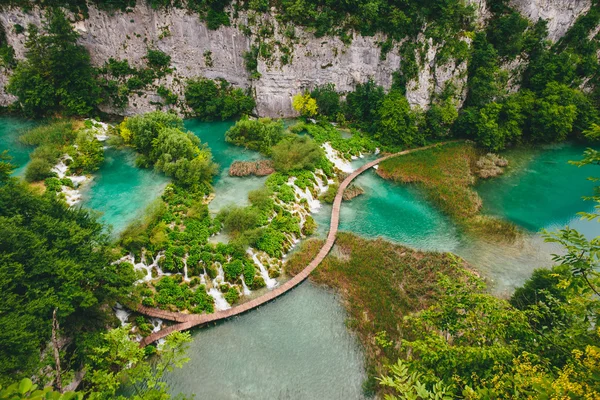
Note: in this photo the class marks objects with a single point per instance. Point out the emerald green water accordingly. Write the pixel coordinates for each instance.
(120, 190)
(10, 130)
(540, 190)
(297, 347)
(228, 189)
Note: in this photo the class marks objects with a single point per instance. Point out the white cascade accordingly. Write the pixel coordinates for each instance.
(270, 282)
(220, 302)
(246, 291)
(122, 314)
(333, 156)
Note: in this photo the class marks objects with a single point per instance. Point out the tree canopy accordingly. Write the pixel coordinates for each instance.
(56, 75)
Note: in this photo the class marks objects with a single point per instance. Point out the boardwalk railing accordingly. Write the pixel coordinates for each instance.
(187, 321)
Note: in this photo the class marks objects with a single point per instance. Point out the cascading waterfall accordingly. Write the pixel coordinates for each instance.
(333, 156)
(185, 268)
(270, 282)
(246, 291)
(122, 314)
(157, 324)
(215, 293)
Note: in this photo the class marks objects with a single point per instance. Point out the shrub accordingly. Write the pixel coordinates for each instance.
(328, 100)
(217, 100)
(232, 295)
(258, 135)
(233, 270)
(296, 152)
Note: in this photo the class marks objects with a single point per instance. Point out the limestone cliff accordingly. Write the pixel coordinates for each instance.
(312, 61)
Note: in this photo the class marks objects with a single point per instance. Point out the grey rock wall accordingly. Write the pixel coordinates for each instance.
(560, 14)
(314, 61)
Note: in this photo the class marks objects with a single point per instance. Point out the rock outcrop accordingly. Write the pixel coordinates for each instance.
(560, 14)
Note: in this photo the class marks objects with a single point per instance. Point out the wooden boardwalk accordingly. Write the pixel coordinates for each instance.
(187, 321)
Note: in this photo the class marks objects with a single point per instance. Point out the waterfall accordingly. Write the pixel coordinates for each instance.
(322, 186)
(220, 302)
(313, 204)
(270, 282)
(215, 293)
(185, 269)
(333, 156)
(246, 291)
(157, 324)
(122, 314)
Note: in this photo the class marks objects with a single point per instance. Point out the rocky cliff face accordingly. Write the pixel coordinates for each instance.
(560, 14)
(313, 61)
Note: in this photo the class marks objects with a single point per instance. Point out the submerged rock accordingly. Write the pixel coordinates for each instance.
(351, 192)
(245, 168)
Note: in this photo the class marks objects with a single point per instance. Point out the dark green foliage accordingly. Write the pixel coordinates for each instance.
(396, 122)
(88, 155)
(260, 134)
(170, 292)
(507, 34)
(217, 100)
(251, 60)
(233, 270)
(271, 242)
(237, 220)
(52, 257)
(163, 143)
(56, 76)
(7, 53)
(170, 97)
(232, 295)
(157, 59)
(484, 80)
(328, 100)
(362, 104)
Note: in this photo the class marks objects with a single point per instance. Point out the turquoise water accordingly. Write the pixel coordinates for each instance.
(296, 347)
(10, 130)
(540, 190)
(120, 190)
(228, 189)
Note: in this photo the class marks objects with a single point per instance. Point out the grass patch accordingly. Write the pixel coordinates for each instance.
(446, 175)
(380, 282)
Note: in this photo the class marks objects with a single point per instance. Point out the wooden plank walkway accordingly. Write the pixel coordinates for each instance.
(187, 321)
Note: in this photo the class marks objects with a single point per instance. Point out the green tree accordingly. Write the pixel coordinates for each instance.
(217, 100)
(120, 362)
(328, 100)
(52, 257)
(260, 134)
(56, 75)
(397, 123)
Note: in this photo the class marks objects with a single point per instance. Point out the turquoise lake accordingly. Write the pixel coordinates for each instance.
(10, 130)
(298, 347)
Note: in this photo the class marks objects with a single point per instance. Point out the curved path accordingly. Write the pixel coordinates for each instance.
(187, 321)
